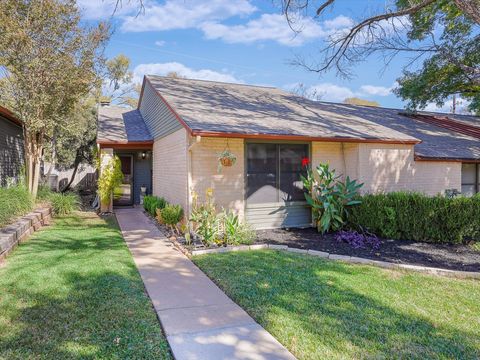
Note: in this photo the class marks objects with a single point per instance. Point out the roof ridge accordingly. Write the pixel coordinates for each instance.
(210, 81)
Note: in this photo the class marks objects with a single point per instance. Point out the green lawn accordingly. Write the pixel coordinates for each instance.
(322, 309)
(72, 292)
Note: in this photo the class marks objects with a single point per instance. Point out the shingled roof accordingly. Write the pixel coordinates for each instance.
(212, 108)
(221, 109)
(119, 125)
(437, 142)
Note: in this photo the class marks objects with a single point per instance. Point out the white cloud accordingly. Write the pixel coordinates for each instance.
(461, 106)
(336, 93)
(274, 27)
(376, 90)
(160, 43)
(339, 22)
(182, 70)
(330, 92)
(174, 14)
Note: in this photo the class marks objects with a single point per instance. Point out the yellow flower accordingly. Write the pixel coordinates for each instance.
(209, 192)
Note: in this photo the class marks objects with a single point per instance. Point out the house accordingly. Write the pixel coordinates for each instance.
(11, 146)
(170, 145)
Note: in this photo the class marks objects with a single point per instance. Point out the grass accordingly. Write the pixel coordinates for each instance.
(14, 201)
(73, 292)
(321, 309)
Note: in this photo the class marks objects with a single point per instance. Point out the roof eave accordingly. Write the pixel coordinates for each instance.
(445, 159)
(303, 138)
(9, 116)
(124, 144)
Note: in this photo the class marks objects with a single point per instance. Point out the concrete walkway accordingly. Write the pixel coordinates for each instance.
(200, 321)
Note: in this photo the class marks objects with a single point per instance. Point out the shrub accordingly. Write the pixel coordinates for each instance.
(171, 215)
(357, 240)
(64, 203)
(413, 216)
(204, 218)
(329, 197)
(111, 176)
(44, 192)
(14, 201)
(152, 203)
(234, 230)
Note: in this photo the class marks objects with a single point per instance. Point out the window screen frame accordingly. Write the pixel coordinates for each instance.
(477, 177)
(278, 200)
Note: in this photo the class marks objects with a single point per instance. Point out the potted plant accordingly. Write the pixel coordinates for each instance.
(226, 158)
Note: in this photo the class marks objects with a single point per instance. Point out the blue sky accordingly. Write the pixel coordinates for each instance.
(242, 41)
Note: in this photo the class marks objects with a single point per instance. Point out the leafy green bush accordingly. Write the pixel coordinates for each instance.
(14, 201)
(329, 197)
(152, 203)
(111, 176)
(64, 203)
(235, 231)
(44, 192)
(413, 216)
(204, 218)
(171, 215)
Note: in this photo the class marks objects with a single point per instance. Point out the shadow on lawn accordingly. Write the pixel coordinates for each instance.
(103, 316)
(84, 298)
(340, 320)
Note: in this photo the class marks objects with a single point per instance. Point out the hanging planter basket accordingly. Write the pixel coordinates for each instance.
(226, 159)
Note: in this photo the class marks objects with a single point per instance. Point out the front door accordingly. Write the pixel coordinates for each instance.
(123, 195)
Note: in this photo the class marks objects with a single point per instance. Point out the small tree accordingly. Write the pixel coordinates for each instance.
(50, 61)
(111, 176)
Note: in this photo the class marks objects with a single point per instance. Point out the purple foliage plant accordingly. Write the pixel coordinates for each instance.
(357, 240)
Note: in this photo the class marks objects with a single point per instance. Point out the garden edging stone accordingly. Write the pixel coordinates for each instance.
(12, 234)
(345, 258)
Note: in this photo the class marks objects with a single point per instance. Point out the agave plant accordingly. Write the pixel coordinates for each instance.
(329, 197)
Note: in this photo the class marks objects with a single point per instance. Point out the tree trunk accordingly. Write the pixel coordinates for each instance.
(77, 163)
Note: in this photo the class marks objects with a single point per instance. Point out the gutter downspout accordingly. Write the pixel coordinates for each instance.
(198, 138)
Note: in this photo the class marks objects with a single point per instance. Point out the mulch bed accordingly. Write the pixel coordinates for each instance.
(453, 257)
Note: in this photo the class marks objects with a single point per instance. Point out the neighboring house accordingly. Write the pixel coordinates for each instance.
(11, 146)
(182, 125)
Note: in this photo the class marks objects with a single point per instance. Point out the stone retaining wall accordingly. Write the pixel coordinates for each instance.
(21, 229)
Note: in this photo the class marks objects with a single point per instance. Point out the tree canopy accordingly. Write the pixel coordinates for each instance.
(50, 61)
(441, 36)
(358, 101)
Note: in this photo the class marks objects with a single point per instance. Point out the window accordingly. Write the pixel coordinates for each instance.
(470, 179)
(273, 172)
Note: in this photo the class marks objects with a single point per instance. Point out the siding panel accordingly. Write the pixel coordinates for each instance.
(11, 150)
(157, 116)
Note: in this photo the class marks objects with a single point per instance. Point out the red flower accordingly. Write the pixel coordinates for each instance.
(305, 161)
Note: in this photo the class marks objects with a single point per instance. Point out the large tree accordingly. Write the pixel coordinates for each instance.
(442, 36)
(50, 61)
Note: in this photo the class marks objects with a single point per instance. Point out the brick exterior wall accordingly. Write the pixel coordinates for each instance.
(381, 167)
(341, 157)
(392, 168)
(388, 167)
(169, 164)
(228, 185)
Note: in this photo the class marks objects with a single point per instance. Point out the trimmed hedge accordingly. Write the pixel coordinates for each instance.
(413, 216)
(152, 203)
